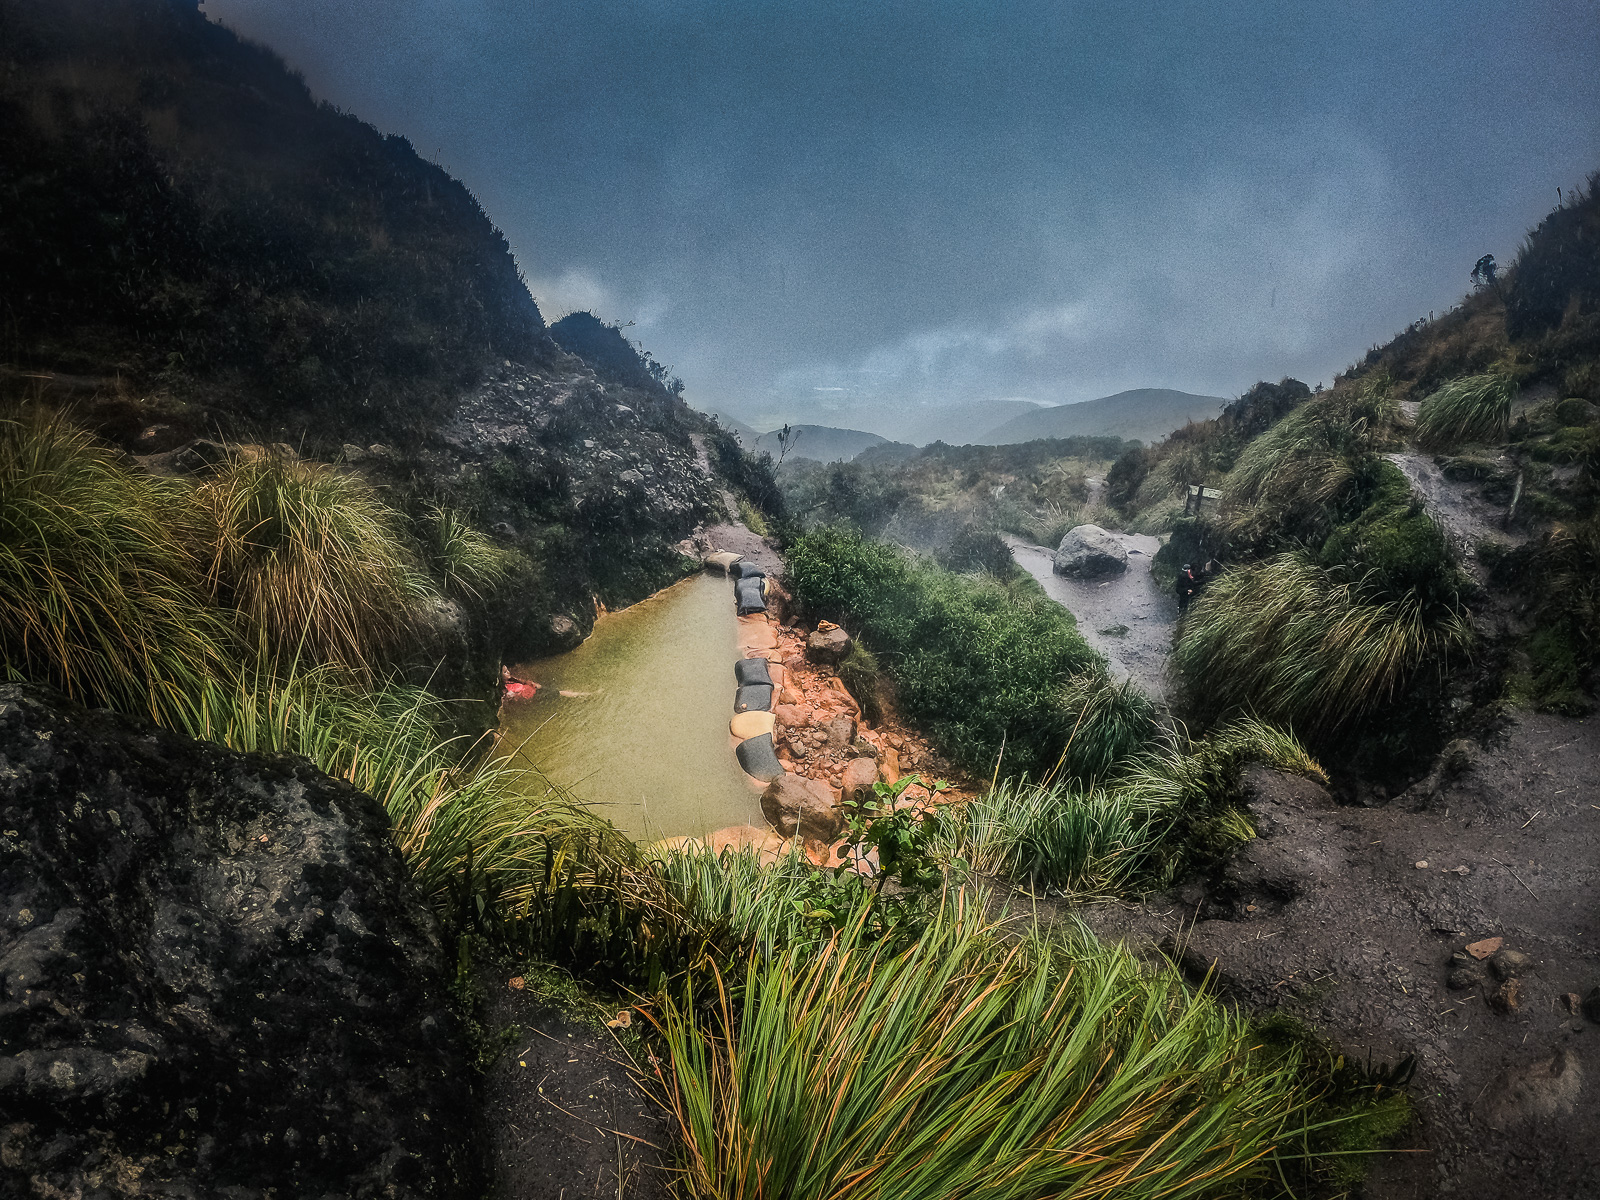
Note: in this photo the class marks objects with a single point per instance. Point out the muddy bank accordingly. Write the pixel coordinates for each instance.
(1127, 618)
(1354, 919)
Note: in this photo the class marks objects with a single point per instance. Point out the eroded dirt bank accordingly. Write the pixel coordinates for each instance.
(1355, 919)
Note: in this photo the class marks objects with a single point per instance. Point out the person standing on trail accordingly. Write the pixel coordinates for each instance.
(1187, 586)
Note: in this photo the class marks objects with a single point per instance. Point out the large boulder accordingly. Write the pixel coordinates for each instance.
(1089, 552)
(219, 979)
(829, 645)
(794, 804)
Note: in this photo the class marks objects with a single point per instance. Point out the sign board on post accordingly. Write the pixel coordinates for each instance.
(1197, 496)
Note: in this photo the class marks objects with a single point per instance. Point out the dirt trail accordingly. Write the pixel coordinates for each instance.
(1130, 602)
(1465, 516)
(702, 459)
(1347, 918)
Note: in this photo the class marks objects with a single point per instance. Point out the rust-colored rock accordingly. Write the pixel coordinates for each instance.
(857, 780)
(1505, 998)
(794, 804)
(792, 716)
(1485, 948)
(841, 732)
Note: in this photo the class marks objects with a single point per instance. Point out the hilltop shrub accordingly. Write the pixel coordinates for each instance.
(983, 666)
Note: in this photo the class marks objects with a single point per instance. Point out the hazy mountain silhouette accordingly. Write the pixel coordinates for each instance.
(1142, 414)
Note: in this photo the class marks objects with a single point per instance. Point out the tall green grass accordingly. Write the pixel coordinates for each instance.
(1295, 644)
(1132, 833)
(465, 559)
(970, 1065)
(100, 590)
(313, 560)
(1474, 408)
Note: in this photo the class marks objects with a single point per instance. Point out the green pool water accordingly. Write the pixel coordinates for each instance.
(646, 741)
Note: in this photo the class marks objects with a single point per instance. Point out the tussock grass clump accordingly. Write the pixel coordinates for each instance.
(1134, 832)
(1474, 408)
(464, 558)
(969, 1065)
(313, 560)
(1311, 457)
(100, 593)
(1293, 643)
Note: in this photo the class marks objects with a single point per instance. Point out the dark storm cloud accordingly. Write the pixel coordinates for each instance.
(835, 209)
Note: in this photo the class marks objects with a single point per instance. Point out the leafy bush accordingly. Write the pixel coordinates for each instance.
(976, 549)
(101, 595)
(1476, 408)
(985, 668)
(971, 1065)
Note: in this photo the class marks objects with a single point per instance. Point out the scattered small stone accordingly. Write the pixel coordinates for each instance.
(1463, 979)
(1505, 998)
(1508, 964)
(1484, 948)
(1422, 865)
(1574, 1003)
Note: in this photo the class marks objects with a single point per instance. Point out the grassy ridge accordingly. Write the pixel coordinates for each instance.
(988, 668)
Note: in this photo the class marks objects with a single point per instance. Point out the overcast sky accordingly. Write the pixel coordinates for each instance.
(819, 210)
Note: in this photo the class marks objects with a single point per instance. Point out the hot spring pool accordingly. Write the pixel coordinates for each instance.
(643, 736)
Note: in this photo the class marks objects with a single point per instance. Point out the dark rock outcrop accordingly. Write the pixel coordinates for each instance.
(217, 978)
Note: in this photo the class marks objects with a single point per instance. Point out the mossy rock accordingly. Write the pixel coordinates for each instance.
(1576, 411)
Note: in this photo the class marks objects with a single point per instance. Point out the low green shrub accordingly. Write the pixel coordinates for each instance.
(996, 674)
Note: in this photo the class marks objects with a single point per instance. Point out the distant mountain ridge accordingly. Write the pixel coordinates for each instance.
(1143, 414)
(820, 443)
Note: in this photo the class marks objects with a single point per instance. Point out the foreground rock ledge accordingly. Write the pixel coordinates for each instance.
(217, 978)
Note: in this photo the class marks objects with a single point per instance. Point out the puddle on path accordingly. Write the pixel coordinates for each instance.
(645, 739)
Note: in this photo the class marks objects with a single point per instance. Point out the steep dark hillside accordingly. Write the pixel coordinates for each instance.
(605, 349)
(1539, 319)
(178, 208)
(193, 247)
